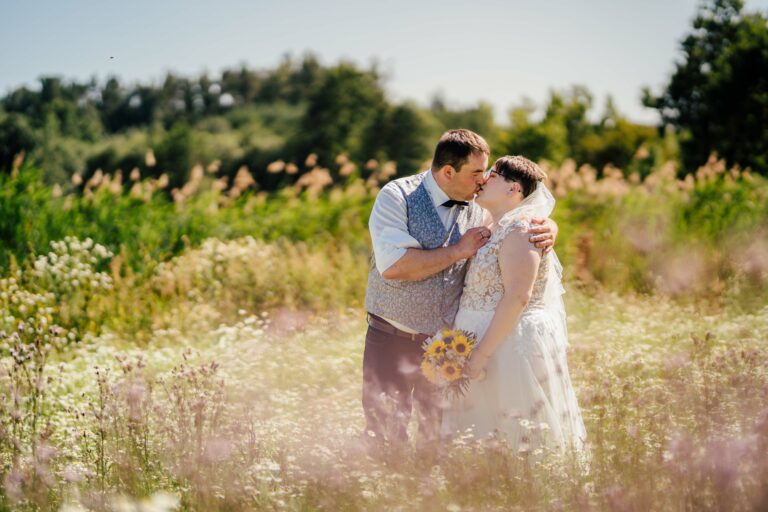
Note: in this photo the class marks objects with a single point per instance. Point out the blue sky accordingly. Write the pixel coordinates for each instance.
(499, 51)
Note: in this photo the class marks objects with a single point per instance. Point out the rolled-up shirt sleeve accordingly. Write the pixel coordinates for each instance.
(389, 228)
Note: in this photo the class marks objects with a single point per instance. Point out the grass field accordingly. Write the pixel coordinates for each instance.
(222, 371)
(265, 413)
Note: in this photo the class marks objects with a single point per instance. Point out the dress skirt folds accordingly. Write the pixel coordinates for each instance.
(526, 396)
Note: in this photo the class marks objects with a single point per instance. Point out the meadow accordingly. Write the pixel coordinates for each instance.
(200, 349)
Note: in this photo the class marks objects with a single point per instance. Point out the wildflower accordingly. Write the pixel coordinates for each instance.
(429, 371)
(243, 178)
(450, 371)
(276, 167)
(461, 346)
(149, 158)
(347, 169)
(437, 348)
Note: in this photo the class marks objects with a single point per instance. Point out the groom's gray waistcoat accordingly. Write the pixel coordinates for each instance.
(430, 304)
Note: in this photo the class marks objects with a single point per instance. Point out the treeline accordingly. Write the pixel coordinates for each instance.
(254, 117)
(251, 118)
(243, 117)
(697, 236)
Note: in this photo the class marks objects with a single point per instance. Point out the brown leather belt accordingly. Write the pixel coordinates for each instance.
(382, 325)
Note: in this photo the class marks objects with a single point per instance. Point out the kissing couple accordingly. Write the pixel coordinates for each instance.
(469, 247)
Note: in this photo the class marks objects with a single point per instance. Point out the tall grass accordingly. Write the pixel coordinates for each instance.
(699, 237)
(146, 225)
(702, 237)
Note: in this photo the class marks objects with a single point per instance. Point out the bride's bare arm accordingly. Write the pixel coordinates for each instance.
(519, 262)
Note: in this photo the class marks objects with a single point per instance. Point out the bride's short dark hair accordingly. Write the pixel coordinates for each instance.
(520, 169)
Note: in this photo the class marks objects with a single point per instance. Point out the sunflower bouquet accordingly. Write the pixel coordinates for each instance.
(446, 354)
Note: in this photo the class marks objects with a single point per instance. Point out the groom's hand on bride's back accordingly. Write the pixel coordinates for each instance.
(472, 240)
(543, 233)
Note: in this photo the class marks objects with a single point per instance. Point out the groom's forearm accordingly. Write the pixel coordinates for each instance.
(418, 264)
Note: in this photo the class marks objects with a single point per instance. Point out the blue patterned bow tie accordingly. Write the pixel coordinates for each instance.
(452, 202)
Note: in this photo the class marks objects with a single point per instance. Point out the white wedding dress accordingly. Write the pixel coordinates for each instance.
(526, 396)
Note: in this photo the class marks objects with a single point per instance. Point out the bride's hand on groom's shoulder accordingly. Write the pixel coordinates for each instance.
(543, 234)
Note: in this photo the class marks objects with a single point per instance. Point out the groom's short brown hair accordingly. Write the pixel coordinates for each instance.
(455, 146)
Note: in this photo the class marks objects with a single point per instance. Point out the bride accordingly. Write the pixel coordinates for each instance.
(521, 390)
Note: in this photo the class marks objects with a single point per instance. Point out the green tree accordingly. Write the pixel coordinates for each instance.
(479, 118)
(565, 131)
(16, 136)
(399, 133)
(536, 140)
(717, 96)
(569, 109)
(614, 140)
(176, 154)
(340, 109)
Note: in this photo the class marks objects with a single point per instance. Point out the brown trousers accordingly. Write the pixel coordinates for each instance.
(394, 387)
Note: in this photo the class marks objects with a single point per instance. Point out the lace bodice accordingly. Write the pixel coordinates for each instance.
(483, 287)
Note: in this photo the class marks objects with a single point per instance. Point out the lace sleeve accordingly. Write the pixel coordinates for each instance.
(513, 225)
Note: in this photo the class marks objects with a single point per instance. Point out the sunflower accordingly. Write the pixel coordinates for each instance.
(450, 371)
(436, 349)
(461, 346)
(429, 371)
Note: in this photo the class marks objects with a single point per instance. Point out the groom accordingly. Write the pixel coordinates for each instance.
(424, 228)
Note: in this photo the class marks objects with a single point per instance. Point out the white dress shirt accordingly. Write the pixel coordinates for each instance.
(388, 225)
